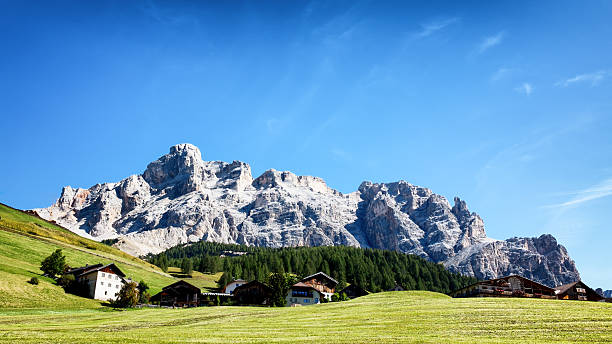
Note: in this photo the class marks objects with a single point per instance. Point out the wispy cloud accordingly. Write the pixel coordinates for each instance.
(525, 88)
(599, 190)
(434, 26)
(490, 42)
(501, 73)
(593, 78)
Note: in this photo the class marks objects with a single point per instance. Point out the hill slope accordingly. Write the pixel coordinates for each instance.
(26, 240)
(392, 317)
(181, 198)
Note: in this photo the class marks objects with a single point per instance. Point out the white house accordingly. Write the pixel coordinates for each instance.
(102, 282)
(229, 288)
(303, 295)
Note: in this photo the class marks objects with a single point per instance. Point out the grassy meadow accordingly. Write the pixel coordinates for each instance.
(43, 313)
(391, 317)
(26, 240)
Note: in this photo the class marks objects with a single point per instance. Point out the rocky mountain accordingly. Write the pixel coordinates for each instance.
(181, 198)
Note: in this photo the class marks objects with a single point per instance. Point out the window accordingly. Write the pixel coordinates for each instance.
(105, 293)
(103, 274)
(110, 285)
(102, 283)
(117, 286)
(316, 300)
(306, 300)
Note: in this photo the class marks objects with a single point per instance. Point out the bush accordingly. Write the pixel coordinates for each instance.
(33, 280)
(54, 264)
(128, 296)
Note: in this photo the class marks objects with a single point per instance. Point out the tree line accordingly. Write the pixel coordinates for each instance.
(372, 269)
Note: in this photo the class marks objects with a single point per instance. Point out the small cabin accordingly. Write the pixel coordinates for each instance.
(302, 294)
(577, 291)
(509, 286)
(100, 282)
(253, 293)
(179, 294)
(354, 291)
(321, 282)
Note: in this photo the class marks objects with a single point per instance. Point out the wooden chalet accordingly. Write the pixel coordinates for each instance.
(577, 291)
(253, 293)
(354, 291)
(179, 294)
(302, 294)
(322, 283)
(509, 286)
(396, 287)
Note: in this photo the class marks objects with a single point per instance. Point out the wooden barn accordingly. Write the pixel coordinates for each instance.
(509, 286)
(179, 294)
(577, 291)
(253, 293)
(354, 291)
(322, 283)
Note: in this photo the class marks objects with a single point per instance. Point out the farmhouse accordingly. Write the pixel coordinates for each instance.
(303, 294)
(100, 282)
(321, 282)
(577, 291)
(509, 286)
(179, 294)
(253, 293)
(229, 288)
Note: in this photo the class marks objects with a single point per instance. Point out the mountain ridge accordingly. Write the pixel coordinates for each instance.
(181, 198)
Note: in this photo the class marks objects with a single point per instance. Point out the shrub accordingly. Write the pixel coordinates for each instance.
(54, 264)
(128, 296)
(33, 280)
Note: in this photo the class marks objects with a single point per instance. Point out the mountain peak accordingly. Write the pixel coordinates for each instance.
(180, 198)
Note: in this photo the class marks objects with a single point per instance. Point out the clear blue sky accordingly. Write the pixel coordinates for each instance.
(507, 105)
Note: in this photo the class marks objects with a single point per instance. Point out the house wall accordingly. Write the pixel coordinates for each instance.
(302, 300)
(232, 285)
(102, 285)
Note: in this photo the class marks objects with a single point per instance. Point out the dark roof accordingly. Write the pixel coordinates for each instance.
(563, 288)
(77, 271)
(321, 274)
(504, 278)
(252, 283)
(84, 270)
(181, 283)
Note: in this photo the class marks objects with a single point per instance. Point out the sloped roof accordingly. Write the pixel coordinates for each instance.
(181, 283)
(255, 282)
(89, 269)
(504, 278)
(320, 273)
(563, 288)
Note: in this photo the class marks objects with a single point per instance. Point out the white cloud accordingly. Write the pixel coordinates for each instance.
(490, 42)
(435, 26)
(599, 190)
(525, 88)
(593, 78)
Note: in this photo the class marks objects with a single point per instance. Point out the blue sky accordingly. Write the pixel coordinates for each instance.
(505, 104)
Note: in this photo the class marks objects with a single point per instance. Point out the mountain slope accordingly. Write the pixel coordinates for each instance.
(26, 240)
(180, 198)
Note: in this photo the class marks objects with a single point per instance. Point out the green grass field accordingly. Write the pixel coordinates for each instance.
(393, 317)
(25, 241)
(45, 314)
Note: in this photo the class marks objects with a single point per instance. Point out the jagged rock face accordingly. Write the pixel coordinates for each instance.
(181, 198)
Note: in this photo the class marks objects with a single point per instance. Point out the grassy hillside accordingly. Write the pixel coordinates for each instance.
(206, 282)
(25, 240)
(392, 317)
